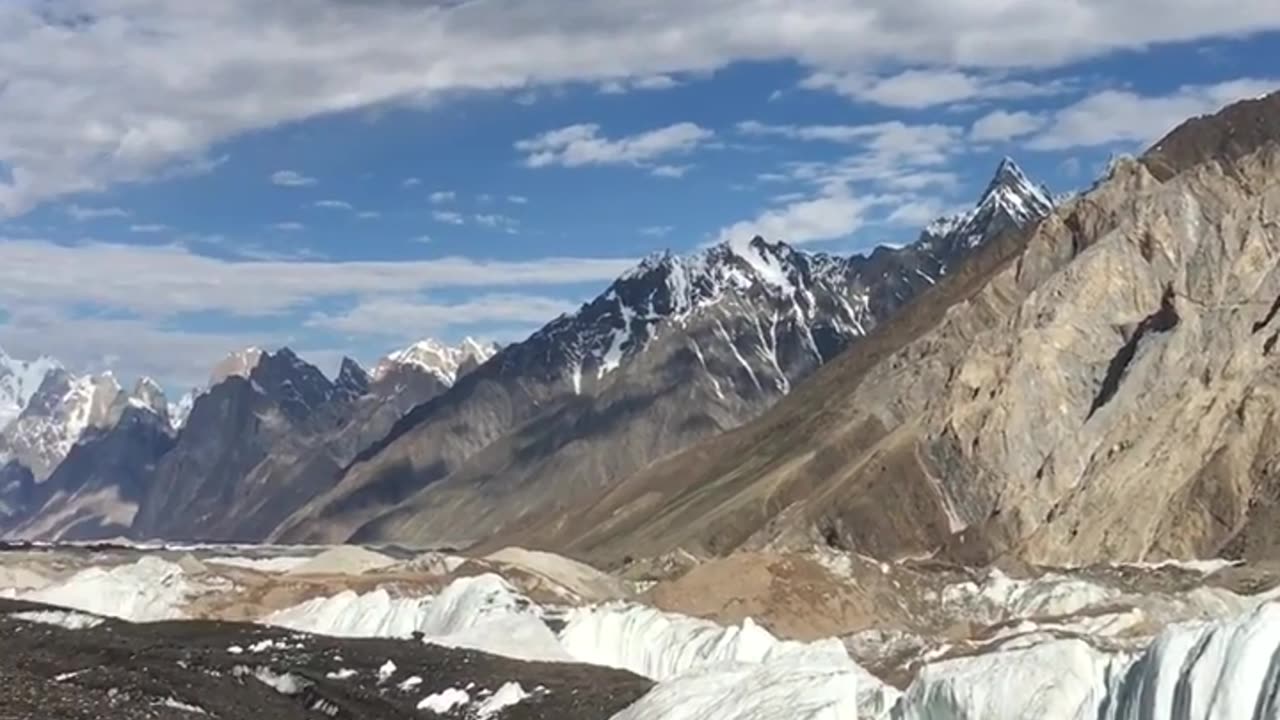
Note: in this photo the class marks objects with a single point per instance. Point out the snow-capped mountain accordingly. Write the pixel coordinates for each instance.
(19, 380)
(1010, 200)
(445, 362)
(55, 417)
(678, 348)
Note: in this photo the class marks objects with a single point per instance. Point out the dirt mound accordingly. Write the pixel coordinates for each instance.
(343, 560)
(570, 578)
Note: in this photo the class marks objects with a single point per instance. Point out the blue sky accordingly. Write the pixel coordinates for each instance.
(178, 181)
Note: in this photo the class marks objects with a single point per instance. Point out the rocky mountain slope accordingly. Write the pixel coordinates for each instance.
(1120, 356)
(678, 349)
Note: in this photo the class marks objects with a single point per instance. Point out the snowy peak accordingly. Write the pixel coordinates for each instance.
(19, 380)
(1010, 200)
(446, 363)
(236, 364)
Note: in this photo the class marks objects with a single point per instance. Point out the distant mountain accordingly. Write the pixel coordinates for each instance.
(443, 362)
(55, 417)
(678, 349)
(19, 380)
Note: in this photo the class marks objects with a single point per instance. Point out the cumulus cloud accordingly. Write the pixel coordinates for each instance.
(183, 77)
(581, 145)
(1122, 116)
(291, 178)
(441, 197)
(497, 221)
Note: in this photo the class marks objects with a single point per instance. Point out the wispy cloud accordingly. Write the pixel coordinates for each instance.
(291, 178)
(389, 315)
(917, 89)
(1122, 116)
(288, 226)
(411, 182)
(583, 145)
(647, 82)
(368, 215)
(78, 125)
(334, 204)
(443, 197)
(670, 171)
(656, 230)
(497, 221)
(82, 214)
(449, 217)
(517, 199)
(149, 228)
(1000, 126)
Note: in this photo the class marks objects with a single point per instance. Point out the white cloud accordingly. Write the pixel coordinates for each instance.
(368, 215)
(916, 213)
(394, 316)
(917, 89)
(423, 240)
(582, 145)
(291, 178)
(647, 82)
(670, 171)
(82, 214)
(825, 217)
(440, 197)
(656, 231)
(1000, 126)
(185, 76)
(496, 221)
(334, 204)
(411, 182)
(169, 281)
(449, 217)
(149, 228)
(288, 226)
(517, 199)
(1121, 116)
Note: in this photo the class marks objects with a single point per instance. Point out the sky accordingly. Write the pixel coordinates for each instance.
(179, 180)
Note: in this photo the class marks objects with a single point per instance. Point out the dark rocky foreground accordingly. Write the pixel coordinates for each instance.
(190, 669)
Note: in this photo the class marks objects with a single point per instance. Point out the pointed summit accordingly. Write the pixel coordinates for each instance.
(1010, 200)
(352, 378)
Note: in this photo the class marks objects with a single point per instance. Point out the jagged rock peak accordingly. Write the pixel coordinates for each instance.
(1010, 198)
(236, 364)
(352, 379)
(446, 362)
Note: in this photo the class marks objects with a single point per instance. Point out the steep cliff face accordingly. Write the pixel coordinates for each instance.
(1101, 389)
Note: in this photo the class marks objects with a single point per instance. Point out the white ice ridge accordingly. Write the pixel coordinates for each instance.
(483, 613)
(148, 590)
(1224, 670)
(735, 661)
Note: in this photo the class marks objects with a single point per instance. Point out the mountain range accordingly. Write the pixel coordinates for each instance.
(450, 445)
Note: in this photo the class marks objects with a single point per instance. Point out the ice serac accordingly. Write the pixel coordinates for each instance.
(1134, 329)
(483, 613)
(677, 349)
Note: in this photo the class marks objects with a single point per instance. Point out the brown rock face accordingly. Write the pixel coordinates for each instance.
(1104, 388)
